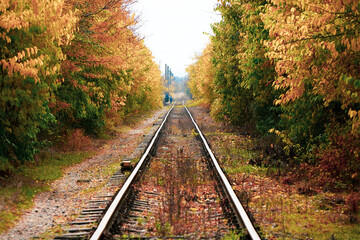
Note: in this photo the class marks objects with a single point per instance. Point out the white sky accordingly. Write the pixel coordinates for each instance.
(174, 29)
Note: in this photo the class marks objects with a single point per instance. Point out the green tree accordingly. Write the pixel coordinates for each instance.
(32, 34)
(233, 100)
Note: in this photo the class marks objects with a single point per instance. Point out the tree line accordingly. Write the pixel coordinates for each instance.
(69, 65)
(291, 68)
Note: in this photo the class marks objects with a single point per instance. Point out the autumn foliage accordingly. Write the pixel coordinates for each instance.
(68, 65)
(292, 69)
(201, 76)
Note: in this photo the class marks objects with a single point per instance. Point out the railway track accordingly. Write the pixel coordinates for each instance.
(177, 190)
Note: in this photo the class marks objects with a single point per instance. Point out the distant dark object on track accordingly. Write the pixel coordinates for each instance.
(168, 99)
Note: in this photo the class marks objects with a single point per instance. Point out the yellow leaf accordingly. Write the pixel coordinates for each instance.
(277, 102)
(352, 113)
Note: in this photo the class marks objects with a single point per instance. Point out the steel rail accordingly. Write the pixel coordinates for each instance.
(109, 213)
(236, 203)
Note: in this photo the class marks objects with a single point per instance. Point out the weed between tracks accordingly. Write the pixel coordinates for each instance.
(187, 203)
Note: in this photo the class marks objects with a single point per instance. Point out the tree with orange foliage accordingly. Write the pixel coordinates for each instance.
(69, 65)
(316, 48)
(291, 68)
(105, 67)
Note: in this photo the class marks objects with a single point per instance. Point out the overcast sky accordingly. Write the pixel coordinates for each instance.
(174, 29)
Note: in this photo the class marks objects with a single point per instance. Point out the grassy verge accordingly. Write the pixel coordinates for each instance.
(194, 103)
(280, 208)
(23, 183)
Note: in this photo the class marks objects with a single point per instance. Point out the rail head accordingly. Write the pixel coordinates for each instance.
(119, 196)
(235, 201)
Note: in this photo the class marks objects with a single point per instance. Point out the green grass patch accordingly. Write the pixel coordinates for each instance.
(236, 152)
(112, 168)
(234, 235)
(50, 168)
(23, 183)
(311, 226)
(194, 103)
(6, 219)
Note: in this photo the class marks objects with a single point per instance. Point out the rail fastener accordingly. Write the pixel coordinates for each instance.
(126, 165)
